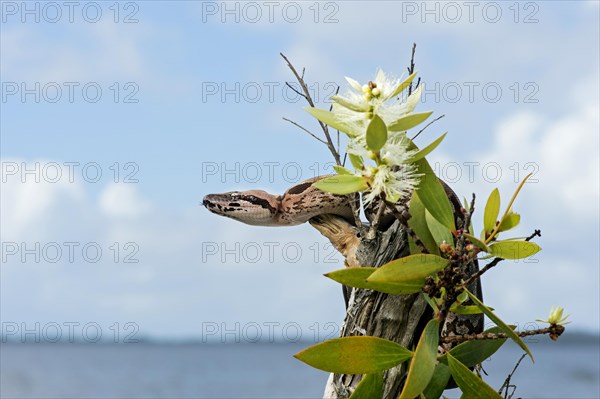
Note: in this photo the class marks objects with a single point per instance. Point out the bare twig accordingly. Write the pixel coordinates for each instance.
(337, 90)
(411, 68)
(507, 381)
(487, 267)
(305, 129)
(554, 330)
(469, 213)
(296, 90)
(537, 233)
(495, 262)
(354, 199)
(404, 222)
(310, 101)
(426, 126)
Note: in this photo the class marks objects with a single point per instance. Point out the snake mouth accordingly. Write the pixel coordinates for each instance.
(213, 203)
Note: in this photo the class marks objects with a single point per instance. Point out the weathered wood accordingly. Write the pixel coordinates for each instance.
(399, 318)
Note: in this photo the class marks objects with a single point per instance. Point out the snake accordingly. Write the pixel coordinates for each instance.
(303, 202)
(298, 205)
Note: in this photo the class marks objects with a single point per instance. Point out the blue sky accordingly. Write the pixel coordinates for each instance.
(201, 92)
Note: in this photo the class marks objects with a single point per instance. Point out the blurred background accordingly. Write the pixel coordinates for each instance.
(118, 117)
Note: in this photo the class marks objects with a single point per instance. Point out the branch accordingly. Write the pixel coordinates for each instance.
(354, 200)
(494, 262)
(487, 267)
(537, 233)
(555, 331)
(296, 90)
(310, 101)
(404, 222)
(305, 129)
(426, 126)
(469, 213)
(507, 381)
(411, 69)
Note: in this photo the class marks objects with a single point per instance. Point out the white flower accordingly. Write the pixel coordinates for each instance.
(395, 151)
(556, 316)
(370, 96)
(397, 185)
(392, 175)
(360, 102)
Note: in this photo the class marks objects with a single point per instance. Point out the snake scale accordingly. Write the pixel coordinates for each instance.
(303, 202)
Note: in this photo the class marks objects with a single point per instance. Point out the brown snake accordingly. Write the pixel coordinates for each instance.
(297, 205)
(303, 202)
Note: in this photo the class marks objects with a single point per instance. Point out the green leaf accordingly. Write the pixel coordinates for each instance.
(505, 328)
(425, 151)
(439, 381)
(432, 194)
(462, 309)
(357, 277)
(408, 121)
(478, 243)
(471, 385)
(418, 223)
(341, 170)
(471, 353)
(508, 208)
(423, 362)
(401, 86)
(431, 303)
(514, 249)
(356, 161)
(466, 206)
(354, 355)
(376, 134)
(492, 209)
(439, 232)
(342, 184)
(510, 221)
(370, 387)
(350, 105)
(409, 272)
(329, 118)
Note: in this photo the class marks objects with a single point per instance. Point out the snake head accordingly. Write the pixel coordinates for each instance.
(254, 207)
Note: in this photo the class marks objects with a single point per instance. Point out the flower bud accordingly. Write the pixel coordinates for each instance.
(446, 248)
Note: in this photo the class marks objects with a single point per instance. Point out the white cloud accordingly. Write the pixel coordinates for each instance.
(123, 200)
(565, 147)
(29, 198)
(176, 281)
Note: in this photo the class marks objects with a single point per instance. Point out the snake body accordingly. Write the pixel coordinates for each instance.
(297, 205)
(305, 203)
